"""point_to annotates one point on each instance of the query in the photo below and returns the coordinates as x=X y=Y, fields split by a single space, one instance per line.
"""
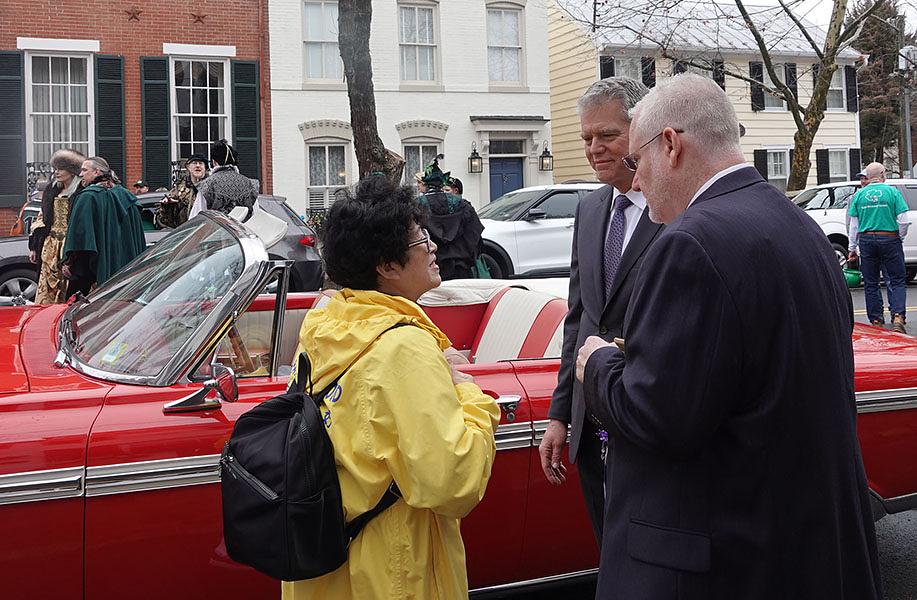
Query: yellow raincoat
x=397 y=415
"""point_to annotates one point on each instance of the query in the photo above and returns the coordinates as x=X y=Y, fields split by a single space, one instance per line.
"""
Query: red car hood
x=884 y=360
x=13 y=377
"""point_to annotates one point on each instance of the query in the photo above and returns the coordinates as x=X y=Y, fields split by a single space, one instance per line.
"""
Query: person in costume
x=49 y=230
x=400 y=413
x=226 y=188
x=176 y=206
x=454 y=226
x=105 y=232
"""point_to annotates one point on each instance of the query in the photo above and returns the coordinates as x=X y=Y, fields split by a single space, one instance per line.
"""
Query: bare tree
x=354 y=21
x=659 y=24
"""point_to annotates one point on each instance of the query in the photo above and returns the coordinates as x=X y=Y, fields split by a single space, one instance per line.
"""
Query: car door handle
x=508 y=404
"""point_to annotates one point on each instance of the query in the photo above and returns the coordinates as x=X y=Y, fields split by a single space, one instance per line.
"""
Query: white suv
x=530 y=231
x=827 y=205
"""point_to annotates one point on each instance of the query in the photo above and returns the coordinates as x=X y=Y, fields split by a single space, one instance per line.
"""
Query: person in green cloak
x=105 y=231
x=453 y=224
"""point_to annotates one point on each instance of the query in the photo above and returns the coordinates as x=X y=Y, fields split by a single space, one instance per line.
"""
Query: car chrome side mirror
x=534 y=213
x=223 y=382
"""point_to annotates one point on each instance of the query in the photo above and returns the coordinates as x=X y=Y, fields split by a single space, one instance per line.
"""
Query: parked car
x=117 y=406
x=529 y=232
x=827 y=204
x=19 y=277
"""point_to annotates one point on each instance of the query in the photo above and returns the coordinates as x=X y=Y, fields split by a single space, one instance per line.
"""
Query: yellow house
x=578 y=56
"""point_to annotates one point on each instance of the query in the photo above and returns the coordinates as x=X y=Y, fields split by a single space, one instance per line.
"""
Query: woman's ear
x=389 y=271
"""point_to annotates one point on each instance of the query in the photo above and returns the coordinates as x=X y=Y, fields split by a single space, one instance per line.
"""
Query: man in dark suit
x=736 y=472
x=610 y=238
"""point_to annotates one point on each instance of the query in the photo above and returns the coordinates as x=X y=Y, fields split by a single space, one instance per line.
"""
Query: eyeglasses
x=424 y=240
x=630 y=160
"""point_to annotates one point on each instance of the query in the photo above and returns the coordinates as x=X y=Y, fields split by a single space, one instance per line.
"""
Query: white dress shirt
x=716 y=178
x=632 y=214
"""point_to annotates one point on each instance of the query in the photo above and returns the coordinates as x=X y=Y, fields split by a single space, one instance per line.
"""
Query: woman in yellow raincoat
x=400 y=412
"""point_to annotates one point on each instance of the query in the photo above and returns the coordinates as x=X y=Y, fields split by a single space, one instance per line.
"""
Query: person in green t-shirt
x=878 y=224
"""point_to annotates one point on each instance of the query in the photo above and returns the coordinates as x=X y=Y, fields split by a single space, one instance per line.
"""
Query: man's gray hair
x=624 y=89
x=694 y=104
x=102 y=165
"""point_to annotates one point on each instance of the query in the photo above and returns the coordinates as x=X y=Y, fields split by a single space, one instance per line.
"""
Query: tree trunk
x=354 y=22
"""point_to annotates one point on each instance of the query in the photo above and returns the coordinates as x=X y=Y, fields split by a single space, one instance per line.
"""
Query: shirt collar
x=716 y=178
x=636 y=198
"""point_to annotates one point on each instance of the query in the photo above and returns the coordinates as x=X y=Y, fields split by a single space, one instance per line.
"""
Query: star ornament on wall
x=133 y=14
x=198 y=18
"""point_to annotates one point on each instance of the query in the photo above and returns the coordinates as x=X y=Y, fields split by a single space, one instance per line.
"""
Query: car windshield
x=507 y=205
x=137 y=321
x=813 y=199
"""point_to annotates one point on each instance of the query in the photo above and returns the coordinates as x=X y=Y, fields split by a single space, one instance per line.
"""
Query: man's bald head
x=875 y=170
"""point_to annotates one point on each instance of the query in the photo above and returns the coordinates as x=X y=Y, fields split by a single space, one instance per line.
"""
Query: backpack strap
x=391 y=495
x=303 y=375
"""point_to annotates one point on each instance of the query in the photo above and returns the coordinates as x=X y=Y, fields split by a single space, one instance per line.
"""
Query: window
x=629 y=67
x=60 y=107
x=327 y=174
x=560 y=206
x=418 y=45
x=777 y=170
x=321 y=55
x=416 y=157
x=507 y=147
x=837 y=165
x=843 y=194
x=200 y=96
x=813 y=199
x=771 y=101
x=836 y=90
x=504 y=45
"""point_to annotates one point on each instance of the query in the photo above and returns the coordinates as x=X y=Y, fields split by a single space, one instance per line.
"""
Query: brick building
x=141 y=84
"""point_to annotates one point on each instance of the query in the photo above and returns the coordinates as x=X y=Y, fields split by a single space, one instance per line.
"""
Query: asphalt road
x=896 y=534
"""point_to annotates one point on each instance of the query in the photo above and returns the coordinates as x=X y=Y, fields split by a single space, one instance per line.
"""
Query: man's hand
x=454 y=357
x=66 y=271
x=852 y=256
x=555 y=436
x=591 y=344
x=33 y=257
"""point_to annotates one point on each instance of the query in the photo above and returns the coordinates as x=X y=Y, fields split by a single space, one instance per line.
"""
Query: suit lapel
x=644 y=233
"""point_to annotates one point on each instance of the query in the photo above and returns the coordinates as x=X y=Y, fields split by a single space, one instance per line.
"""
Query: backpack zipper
x=237 y=470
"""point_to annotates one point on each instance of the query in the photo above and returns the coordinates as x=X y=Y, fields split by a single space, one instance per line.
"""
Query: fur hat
x=67 y=160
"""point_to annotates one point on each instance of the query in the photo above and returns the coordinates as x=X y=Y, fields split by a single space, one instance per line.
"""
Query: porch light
x=547 y=160
x=475 y=162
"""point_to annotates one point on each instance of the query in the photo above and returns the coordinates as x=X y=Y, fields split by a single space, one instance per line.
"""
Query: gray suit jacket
x=589 y=313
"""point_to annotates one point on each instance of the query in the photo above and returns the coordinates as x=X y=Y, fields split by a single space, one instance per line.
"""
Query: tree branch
x=802 y=29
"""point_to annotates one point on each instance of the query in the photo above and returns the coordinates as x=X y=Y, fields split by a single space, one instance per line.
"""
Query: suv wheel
x=19 y=283
x=841 y=252
x=497 y=271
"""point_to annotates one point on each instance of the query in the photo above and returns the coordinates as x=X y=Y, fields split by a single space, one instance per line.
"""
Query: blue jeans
x=886 y=254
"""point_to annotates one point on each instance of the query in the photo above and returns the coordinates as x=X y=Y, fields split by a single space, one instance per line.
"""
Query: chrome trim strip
x=152 y=475
x=36 y=486
x=885 y=400
x=514 y=435
x=535 y=582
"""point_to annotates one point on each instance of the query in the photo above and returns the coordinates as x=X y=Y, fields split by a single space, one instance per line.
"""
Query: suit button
x=603 y=330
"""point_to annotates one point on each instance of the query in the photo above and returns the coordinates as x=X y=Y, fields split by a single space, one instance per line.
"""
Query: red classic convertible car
x=114 y=410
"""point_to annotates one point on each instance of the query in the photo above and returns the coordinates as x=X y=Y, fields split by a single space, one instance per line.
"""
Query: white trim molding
x=199 y=50
x=57 y=45
x=422 y=128
x=326 y=129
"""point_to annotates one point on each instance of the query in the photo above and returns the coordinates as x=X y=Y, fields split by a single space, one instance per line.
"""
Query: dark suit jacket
x=736 y=470
x=589 y=313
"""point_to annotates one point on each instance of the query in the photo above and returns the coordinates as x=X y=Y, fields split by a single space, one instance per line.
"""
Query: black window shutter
x=756 y=72
x=719 y=73
x=12 y=130
x=761 y=162
x=856 y=162
x=606 y=67
x=109 y=111
x=246 y=116
x=790 y=78
x=648 y=68
x=679 y=67
x=850 y=82
x=822 y=168
x=156 y=130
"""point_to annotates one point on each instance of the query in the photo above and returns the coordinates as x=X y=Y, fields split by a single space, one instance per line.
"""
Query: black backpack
x=282 y=509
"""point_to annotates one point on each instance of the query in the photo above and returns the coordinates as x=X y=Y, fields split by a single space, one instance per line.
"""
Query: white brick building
x=446 y=75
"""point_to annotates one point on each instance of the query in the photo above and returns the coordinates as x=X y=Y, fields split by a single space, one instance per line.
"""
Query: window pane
x=199 y=74
x=215 y=71
x=313 y=22
x=317 y=167
x=184 y=150
x=337 y=174
x=314 y=60
x=216 y=129
x=425 y=25
x=184 y=129
x=41 y=98
x=182 y=71
x=59 y=98
x=199 y=101
x=334 y=67
x=494 y=27
x=408 y=25
x=199 y=129
x=78 y=99
x=59 y=68
x=41 y=128
x=201 y=149
x=495 y=64
x=629 y=67
x=77 y=70
x=836 y=79
x=428 y=154
x=837 y=163
x=835 y=99
x=41 y=71
x=80 y=126
x=411 y=162
x=408 y=63
x=183 y=100
x=560 y=206
x=511 y=27
x=425 y=64
x=59 y=130
x=511 y=61
x=331 y=22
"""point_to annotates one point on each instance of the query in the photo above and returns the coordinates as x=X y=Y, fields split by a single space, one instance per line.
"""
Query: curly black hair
x=367 y=227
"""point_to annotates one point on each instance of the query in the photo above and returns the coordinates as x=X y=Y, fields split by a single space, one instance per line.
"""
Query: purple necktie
x=614 y=243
